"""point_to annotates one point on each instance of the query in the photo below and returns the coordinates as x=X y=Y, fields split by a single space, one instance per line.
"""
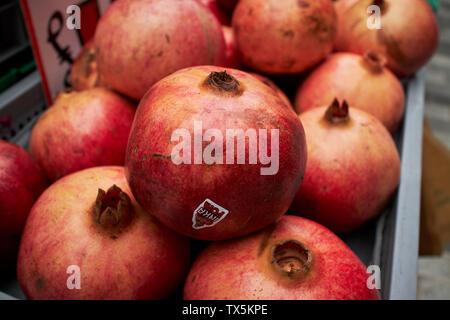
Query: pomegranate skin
x=84 y=74
x=82 y=130
x=217 y=10
x=284 y=37
x=231 y=53
x=144 y=261
x=252 y=199
x=21 y=183
x=341 y=6
x=362 y=81
x=247 y=269
x=408 y=37
x=352 y=171
x=140 y=42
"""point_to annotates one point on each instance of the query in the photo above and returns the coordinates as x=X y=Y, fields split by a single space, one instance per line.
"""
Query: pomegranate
x=352 y=171
x=295 y=259
x=362 y=81
x=21 y=183
x=407 y=35
x=271 y=84
x=193 y=160
x=140 y=42
x=217 y=10
x=82 y=130
x=279 y=37
x=231 y=54
x=84 y=73
x=89 y=220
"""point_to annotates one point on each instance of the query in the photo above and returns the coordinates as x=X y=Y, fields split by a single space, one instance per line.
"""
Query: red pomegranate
x=217 y=10
x=21 y=183
x=407 y=35
x=140 y=42
x=83 y=74
x=90 y=220
x=231 y=54
x=271 y=84
x=288 y=36
x=198 y=153
x=295 y=259
x=352 y=171
x=363 y=82
x=82 y=130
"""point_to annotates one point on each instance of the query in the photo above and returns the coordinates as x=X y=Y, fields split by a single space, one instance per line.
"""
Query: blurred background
x=434 y=263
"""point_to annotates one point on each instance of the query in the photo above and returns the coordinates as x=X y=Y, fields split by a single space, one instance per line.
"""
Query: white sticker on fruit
x=208 y=214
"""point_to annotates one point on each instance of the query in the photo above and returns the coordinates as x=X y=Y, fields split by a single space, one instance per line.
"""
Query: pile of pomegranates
x=215 y=151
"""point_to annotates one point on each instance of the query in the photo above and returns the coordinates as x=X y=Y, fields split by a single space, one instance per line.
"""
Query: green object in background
x=434 y=4
x=15 y=74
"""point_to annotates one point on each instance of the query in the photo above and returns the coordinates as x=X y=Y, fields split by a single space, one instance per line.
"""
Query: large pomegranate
x=216 y=9
x=21 y=182
x=363 y=82
x=295 y=259
x=90 y=220
x=196 y=156
x=84 y=74
x=140 y=42
x=352 y=171
x=231 y=53
x=82 y=130
x=286 y=36
x=407 y=37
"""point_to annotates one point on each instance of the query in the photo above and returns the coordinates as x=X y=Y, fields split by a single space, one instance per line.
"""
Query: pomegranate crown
x=336 y=112
x=113 y=210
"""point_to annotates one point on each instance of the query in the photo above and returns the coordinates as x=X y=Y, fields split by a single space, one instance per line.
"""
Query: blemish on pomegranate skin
x=40 y=283
x=250 y=11
x=193 y=278
x=167 y=38
x=158 y=155
x=303 y=4
x=288 y=33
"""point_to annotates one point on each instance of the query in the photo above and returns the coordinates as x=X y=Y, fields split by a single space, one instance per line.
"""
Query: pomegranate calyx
x=374 y=61
x=337 y=113
x=223 y=82
x=381 y=4
x=291 y=258
x=113 y=210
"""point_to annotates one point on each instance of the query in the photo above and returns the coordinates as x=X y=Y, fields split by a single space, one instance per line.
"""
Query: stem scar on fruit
x=291 y=258
x=223 y=83
x=113 y=210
